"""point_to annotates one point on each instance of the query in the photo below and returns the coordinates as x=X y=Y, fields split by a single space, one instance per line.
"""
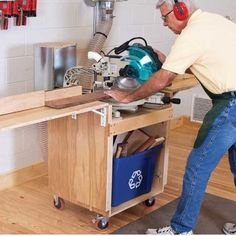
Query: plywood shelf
x=156 y=189
x=141 y=118
x=37 y=115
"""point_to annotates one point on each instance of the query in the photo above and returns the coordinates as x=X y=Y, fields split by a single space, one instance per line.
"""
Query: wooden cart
x=80 y=141
x=81 y=152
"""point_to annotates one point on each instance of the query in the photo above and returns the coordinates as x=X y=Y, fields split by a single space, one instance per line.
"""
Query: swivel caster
x=101 y=222
x=59 y=203
x=150 y=202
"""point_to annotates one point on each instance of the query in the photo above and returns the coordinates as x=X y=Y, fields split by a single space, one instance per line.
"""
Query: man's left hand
x=119 y=95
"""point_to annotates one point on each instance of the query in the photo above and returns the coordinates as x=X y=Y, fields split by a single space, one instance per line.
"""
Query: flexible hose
x=104 y=20
x=97 y=42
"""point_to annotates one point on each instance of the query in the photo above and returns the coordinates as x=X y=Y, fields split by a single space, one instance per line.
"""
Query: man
x=206 y=44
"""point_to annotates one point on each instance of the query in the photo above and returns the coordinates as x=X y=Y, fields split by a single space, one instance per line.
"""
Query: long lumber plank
x=76 y=100
x=35 y=99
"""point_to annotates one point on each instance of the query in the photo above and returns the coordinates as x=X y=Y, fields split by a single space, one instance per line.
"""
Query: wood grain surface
x=77 y=100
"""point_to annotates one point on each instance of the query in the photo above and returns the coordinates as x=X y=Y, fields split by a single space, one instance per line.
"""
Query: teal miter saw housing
x=142 y=62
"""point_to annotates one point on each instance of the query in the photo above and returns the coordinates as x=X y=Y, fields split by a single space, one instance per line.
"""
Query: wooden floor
x=29 y=209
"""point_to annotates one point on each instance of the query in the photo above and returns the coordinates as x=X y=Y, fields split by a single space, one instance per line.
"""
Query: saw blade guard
x=142 y=63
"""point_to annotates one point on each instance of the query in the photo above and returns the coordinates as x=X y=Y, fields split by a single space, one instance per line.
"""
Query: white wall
x=71 y=20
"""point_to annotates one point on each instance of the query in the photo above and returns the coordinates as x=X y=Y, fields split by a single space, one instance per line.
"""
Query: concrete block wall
x=71 y=20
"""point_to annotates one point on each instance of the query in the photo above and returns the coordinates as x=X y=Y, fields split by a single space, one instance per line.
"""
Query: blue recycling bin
x=133 y=175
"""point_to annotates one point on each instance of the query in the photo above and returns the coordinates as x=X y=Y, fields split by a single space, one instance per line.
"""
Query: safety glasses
x=165 y=16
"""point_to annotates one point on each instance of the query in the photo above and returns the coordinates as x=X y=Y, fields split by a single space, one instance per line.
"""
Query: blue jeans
x=201 y=162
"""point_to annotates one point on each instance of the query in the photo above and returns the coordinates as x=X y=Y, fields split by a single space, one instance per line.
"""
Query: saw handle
x=122 y=48
x=125 y=45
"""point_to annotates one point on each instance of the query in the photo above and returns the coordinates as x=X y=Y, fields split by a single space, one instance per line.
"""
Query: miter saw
x=127 y=68
x=136 y=63
x=136 y=66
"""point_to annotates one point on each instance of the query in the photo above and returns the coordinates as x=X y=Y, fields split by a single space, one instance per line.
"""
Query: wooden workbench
x=80 y=143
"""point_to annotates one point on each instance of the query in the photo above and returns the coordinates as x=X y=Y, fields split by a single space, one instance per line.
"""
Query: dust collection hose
x=103 y=15
x=97 y=42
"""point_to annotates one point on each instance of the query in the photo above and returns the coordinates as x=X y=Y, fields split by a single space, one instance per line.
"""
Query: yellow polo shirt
x=207 y=45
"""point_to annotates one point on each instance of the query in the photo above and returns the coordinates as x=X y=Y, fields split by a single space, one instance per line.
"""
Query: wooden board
x=181 y=82
x=37 y=115
x=141 y=118
x=63 y=93
x=76 y=100
x=21 y=102
x=36 y=99
x=77 y=160
x=56 y=44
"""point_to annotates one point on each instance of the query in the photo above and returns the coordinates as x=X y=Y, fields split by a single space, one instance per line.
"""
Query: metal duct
x=51 y=62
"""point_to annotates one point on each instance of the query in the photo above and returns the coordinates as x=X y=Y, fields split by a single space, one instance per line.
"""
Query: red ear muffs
x=180 y=11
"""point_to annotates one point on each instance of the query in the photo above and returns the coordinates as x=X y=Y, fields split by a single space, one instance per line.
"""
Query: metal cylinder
x=104 y=10
x=51 y=62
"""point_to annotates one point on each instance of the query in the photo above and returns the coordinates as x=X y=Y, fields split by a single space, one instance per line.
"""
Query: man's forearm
x=156 y=83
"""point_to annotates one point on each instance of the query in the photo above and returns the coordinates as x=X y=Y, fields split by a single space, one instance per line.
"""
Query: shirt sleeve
x=184 y=53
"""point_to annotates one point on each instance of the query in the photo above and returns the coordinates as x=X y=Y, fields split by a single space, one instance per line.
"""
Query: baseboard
x=23 y=175
x=177 y=122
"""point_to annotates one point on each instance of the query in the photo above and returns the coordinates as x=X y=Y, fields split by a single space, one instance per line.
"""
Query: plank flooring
x=28 y=208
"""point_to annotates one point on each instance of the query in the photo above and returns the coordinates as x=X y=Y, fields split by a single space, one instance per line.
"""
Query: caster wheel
x=59 y=204
x=149 y=202
x=102 y=224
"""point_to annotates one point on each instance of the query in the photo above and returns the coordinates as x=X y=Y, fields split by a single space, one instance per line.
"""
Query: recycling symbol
x=136 y=179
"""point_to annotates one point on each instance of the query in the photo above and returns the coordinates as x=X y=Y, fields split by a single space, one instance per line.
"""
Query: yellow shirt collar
x=195 y=15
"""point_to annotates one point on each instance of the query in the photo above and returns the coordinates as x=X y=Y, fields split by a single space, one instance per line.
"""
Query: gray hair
x=170 y=3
